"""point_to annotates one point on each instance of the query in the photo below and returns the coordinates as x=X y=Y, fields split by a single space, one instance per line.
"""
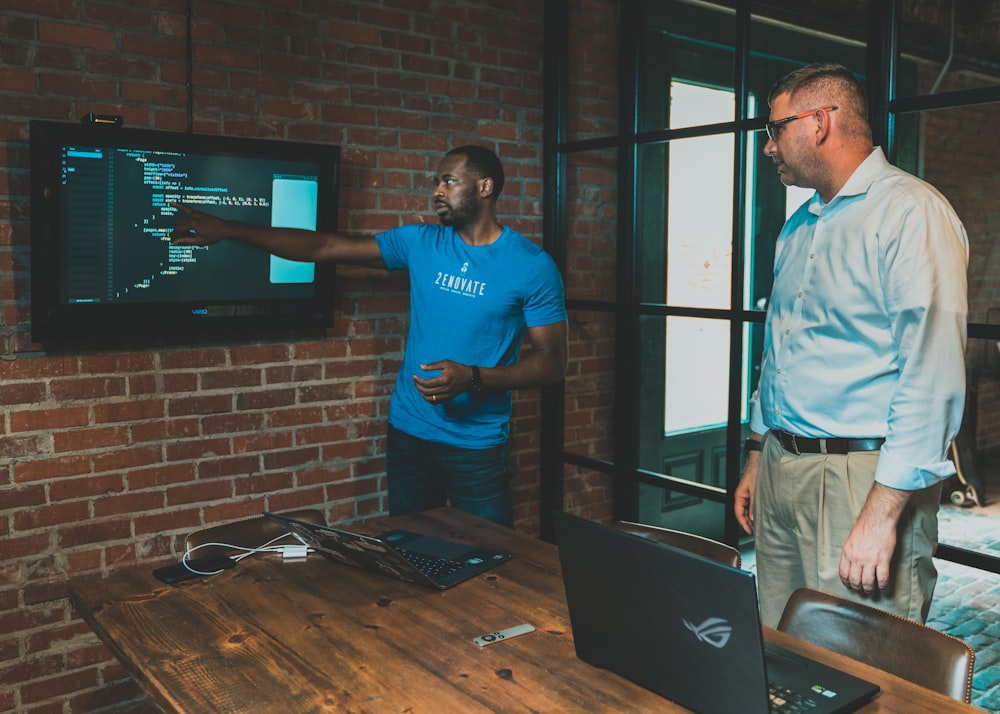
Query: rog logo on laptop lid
x=715 y=631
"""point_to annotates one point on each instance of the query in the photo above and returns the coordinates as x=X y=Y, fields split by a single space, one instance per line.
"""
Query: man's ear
x=822 y=127
x=486 y=187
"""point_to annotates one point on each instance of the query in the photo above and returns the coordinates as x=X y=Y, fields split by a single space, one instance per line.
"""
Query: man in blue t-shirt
x=477 y=288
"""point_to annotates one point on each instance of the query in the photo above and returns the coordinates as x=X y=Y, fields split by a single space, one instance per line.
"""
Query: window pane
x=685 y=218
x=800 y=33
x=685 y=393
x=950 y=45
x=970 y=179
x=589 y=393
x=592 y=225
x=685 y=40
x=975 y=451
x=593 y=69
x=753 y=353
x=699 y=222
x=669 y=508
x=697 y=356
x=981 y=426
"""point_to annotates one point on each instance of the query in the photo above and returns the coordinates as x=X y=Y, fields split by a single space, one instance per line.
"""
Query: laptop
x=412 y=557
x=685 y=627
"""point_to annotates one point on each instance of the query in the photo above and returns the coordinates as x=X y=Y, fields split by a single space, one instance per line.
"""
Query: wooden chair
x=881 y=639
x=699 y=545
x=247 y=533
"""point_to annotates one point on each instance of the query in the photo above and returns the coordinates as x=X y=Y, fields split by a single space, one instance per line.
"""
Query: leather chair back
x=903 y=647
x=699 y=545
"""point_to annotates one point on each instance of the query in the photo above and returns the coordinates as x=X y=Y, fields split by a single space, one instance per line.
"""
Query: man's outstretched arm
x=197 y=228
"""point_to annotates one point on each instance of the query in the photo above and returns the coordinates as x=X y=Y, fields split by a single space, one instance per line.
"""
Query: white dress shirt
x=866 y=326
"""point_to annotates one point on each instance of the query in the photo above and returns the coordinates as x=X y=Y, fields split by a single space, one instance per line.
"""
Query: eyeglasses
x=772 y=126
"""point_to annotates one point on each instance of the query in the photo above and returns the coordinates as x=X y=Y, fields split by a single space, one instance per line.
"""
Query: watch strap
x=751 y=444
x=476 y=383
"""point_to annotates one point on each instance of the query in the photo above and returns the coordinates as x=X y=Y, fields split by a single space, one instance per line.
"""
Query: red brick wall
x=108 y=457
x=591 y=261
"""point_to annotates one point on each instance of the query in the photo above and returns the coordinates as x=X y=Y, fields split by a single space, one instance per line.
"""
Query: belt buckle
x=795 y=445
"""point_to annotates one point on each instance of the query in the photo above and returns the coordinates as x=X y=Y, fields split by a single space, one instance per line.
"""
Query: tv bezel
x=56 y=321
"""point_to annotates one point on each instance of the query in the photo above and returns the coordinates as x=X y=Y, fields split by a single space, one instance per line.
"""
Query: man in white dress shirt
x=862 y=384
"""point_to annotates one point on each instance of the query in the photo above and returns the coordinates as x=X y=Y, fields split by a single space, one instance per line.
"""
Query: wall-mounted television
x=103 y=269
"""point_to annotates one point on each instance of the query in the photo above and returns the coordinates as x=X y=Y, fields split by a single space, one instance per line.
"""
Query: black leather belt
x=802 y=445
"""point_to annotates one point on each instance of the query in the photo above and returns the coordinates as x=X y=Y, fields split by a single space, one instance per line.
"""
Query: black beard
x=457 y=219
x=449 y=220
x=462 y=214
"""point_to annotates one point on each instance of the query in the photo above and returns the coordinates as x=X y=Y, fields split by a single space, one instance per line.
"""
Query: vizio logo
x=714 y=631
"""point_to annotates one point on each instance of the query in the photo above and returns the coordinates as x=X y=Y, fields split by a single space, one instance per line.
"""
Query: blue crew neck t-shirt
x=469 y=304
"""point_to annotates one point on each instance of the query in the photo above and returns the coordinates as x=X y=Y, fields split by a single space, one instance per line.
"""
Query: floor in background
x=966 y=601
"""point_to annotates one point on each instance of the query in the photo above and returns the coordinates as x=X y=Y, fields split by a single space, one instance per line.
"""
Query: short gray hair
x=828 y=83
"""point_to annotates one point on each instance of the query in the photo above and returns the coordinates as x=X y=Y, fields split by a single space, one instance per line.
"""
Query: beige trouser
x=804 y=508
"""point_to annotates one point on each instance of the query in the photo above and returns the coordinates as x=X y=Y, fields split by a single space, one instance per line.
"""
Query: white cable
x=268 y=547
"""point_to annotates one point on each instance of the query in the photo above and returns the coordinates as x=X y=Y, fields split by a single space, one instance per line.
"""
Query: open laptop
x=685 y=627
x=425 y=560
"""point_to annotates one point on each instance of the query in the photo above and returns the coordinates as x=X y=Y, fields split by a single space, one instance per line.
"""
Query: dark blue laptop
x=412 y=557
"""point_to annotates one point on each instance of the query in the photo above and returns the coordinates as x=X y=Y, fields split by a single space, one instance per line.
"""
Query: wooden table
x=314 y=636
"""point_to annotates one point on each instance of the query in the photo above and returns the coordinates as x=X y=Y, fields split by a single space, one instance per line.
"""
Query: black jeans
x=424 y=474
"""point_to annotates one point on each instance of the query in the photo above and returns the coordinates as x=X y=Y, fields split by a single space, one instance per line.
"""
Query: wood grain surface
x=314 y=636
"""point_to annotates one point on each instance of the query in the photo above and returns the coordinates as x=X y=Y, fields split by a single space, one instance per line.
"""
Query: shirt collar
x=858 y=183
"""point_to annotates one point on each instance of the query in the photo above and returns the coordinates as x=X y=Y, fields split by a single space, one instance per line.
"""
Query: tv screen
x=102 y=210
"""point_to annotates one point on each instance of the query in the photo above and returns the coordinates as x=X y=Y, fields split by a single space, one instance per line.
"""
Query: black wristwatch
x=476 y=383
x=751 y=444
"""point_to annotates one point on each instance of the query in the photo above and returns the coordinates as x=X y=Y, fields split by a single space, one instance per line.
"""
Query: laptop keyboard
x=785 y=701
x=431 y=565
